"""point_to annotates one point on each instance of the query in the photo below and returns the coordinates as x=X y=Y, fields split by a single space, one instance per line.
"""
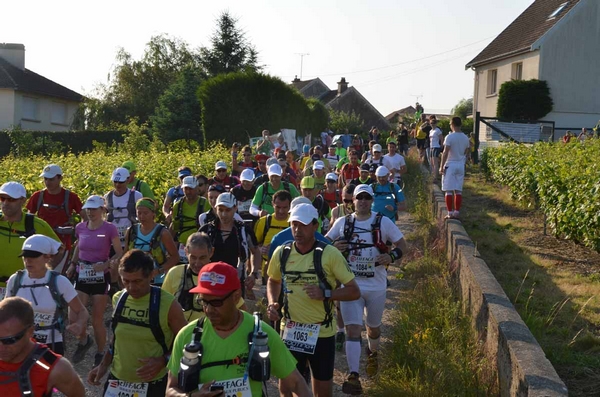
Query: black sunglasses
x=213 y=302
x=11 y=340
x=364 y=196
x=218 y=188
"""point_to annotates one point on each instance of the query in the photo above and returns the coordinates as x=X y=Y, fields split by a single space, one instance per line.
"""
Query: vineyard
x=90 y=173
x=563 y=181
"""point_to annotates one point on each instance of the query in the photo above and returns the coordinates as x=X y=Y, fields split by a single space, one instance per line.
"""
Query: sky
x=394 y=52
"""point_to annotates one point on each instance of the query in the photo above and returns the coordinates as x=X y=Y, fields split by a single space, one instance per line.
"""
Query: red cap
x=217 y=278
x=261 y=157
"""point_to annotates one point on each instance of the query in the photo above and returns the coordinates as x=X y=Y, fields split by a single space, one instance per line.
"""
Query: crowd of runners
x=316 y=233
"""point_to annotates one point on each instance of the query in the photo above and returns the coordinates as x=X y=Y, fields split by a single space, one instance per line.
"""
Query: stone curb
x=522 y=366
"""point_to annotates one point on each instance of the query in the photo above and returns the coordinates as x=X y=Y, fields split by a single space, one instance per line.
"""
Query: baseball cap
x=373 y=167
x=247 y=175
x=305 y=149
x=184 y=173
x=318 y=165
x=377 y=147
x=38 y=244
x=50 y=171
x=382 y=170
x=333 y=146
x=303 y=213
x=362 y=188
x=275 y=169
x=261 y=157
x=129 y=166
x=94 y=201
x=331 y=177
x=226 y=199
x=308 y=182
x=189 y=181
x=217 y=278
x=365 y=167
x=299 y=200
x=14 y=190
x=220 y=165
x=120 y=175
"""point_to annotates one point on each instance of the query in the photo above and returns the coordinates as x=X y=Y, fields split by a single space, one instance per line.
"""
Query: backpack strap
x=183 y=295
x=66 y=203
x=138 y=185
x=40 y=201
x=131 y=215
x=23 y=374
x=267 y=226
x=110 y=206
x=29 y=225
x=348 y=227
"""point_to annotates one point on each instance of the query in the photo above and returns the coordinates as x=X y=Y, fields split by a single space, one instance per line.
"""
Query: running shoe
x=352 y=385
x=79 y=354
x=372 y=364
x=340 y=338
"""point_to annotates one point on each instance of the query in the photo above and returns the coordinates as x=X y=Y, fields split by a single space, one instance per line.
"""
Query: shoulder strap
x=138 y=185
x=286 y=185
x=40 y=201
x=267 y=226
x=29 y=225
x=265 y=187
x=66 y=203
x=24 y=379
x=131 y=235
x=110 y=204
x=17 y=285
x=131 y=207
x=61 y=304
x=348 y=227
x=199 y=209
x=155 y=293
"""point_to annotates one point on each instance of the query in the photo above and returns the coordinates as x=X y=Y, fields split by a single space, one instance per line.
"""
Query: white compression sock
x=373 y=344
x=353 y=355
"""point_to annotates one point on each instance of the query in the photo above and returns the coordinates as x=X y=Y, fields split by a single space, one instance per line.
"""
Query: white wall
x=43 y=120
x=7 y=108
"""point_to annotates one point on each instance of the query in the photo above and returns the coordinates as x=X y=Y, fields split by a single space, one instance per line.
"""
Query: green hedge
x=524 y=100
x=563 y=181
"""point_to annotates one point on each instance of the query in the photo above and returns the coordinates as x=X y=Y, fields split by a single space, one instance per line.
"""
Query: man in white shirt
x=435 y=146
x=456 y=148
x=395 y=163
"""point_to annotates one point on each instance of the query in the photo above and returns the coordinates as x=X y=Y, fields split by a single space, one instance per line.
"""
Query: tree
x=341 y=121
x=230 y=50
x=463 y=108
x=524 y=100
x=178 y=113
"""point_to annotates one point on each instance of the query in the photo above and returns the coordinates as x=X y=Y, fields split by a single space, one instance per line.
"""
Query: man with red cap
x=224 y=337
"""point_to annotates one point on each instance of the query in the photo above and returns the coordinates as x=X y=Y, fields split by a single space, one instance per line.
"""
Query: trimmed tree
x=524 y=100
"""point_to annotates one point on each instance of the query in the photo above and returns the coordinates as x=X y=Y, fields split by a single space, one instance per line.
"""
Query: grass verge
x=433 y=350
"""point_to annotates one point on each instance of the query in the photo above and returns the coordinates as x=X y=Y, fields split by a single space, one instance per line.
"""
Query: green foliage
x=341 y=121
x=561 y=180
x=463 y=108
x=25 y=143
x=231 y=51
x=178 y=113
x=524 y=100
x=238 y=105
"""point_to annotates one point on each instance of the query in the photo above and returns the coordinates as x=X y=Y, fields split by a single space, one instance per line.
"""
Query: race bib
x=2 y=292
x=121 y=388
x=182 y=256
x=43 y=320
x=244 y=206
x=122 y=229
x=362 y=266
x=88 y=275
x=301 y=337
x=239 y=387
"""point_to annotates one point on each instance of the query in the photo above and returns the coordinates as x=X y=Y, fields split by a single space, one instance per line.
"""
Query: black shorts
x=421 y=143
x=94 y=288
x=156 y=388
x=436 y=151
x=322 y=362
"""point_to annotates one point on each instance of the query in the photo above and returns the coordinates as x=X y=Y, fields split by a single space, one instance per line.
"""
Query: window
x=558 y=10
x=492 y=81
x=517 y=71
x=30 y=108
x=59 y=113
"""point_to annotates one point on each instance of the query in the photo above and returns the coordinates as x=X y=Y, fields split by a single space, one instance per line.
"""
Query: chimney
x=296 y=79
x=342 y=86
x=13 y=54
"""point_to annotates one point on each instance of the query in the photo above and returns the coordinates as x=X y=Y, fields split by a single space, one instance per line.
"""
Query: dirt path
x=397 y=285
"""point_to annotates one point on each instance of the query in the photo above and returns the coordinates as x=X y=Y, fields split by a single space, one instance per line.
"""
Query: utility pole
x=417 y=96
x=302 y=55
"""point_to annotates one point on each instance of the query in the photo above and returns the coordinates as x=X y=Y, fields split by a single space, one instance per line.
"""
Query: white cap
x=247 y=175
x=331 y=177
x=120 y=175
x=220 y=165
x=377 y=147
x=40 y=243
x=275 y=169
x=382 y=170
x=299 y=200
x=318 y=165
x=226 y=199
x=50 y=171
x=93 y=201
x=14 y=190
x=303 y=213
x=189 y=181
x=362 y=188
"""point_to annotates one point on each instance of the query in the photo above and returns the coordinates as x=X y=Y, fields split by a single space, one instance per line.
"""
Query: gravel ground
x=341 y=368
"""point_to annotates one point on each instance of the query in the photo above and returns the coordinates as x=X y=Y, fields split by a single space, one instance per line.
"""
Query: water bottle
x=260 y=363
x=189 y=367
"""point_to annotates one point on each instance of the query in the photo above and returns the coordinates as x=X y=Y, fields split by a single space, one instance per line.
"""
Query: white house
x=29 y=100
x=553 y=40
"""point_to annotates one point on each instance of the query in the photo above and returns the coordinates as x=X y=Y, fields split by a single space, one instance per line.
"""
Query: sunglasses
x=213 y=302
x=8 y=199
x=364 y=196
x=118 y=183
x=347 y=201
x=11 y=340
x=330 y=181
x=221 y=170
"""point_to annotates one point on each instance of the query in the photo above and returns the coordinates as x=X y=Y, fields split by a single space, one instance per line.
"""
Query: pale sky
x=390 y=50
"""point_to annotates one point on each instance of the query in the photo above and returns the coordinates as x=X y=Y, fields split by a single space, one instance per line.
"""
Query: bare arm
x=78 y=316
x=174 y=391
x=166 y=209
x=296 y=384
x=64 y=378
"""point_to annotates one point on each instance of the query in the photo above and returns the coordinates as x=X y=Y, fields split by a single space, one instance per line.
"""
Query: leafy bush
x=524 y=100
x=562 y=180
